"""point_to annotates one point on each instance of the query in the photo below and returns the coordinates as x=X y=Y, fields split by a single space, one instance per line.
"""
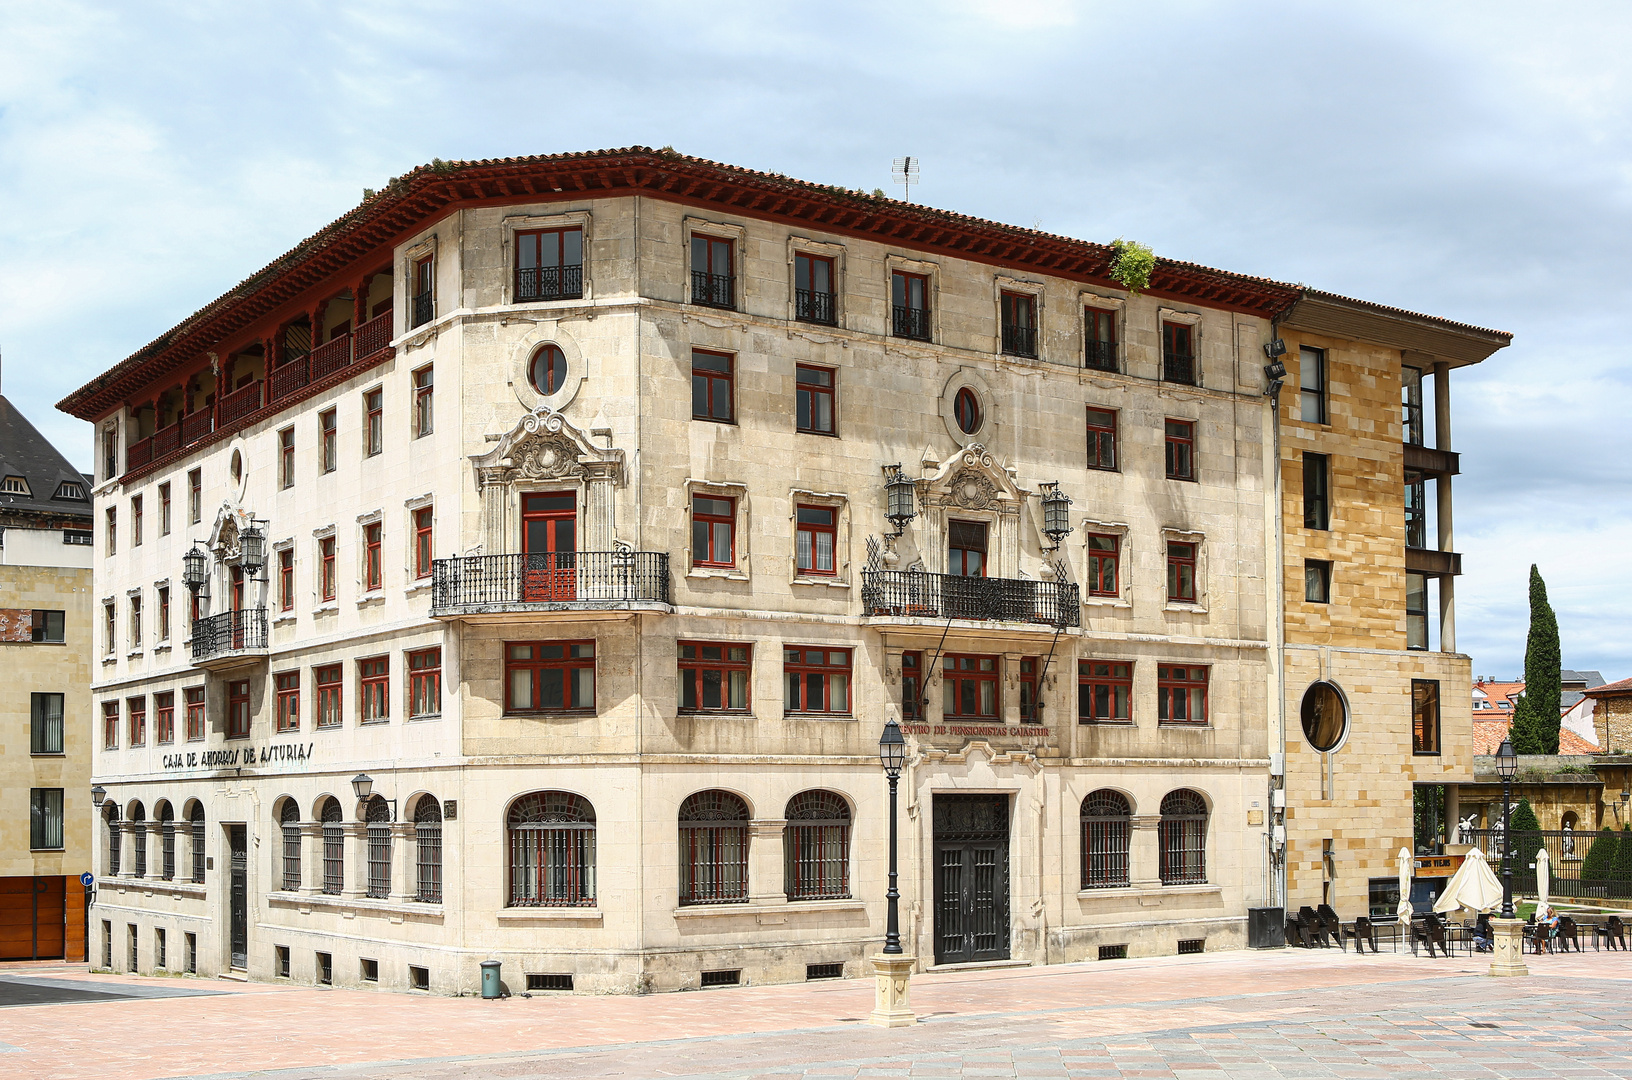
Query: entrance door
x=239 y=893
x=549 y=544
x=971 y=878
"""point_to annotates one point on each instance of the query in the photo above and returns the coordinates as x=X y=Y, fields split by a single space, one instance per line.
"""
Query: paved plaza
x=1313 y=1014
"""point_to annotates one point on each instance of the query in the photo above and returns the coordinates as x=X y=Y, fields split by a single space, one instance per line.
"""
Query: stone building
x=562 y=532
x=1376 y=701
x=45 y=701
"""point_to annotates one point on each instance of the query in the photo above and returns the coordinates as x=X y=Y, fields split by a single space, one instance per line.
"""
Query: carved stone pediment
x=544 y=445
x=972 y=479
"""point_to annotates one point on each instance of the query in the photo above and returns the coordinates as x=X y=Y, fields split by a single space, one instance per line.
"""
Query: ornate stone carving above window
x=544 y=447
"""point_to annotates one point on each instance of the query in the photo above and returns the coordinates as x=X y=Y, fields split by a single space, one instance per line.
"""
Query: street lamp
x=1507 y=764
x=892 y=968
x=892 y=752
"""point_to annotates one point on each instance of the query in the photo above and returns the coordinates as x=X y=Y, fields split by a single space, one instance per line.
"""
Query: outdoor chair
x=1430 y=931
x=1294 y=934
x=1362 y=932
x=1567 y=934
x=1330 y=923
x=1614 y=931
x=1312 y=927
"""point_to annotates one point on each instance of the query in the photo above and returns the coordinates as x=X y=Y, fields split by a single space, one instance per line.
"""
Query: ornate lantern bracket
x=901 y=496
x=1056 y=512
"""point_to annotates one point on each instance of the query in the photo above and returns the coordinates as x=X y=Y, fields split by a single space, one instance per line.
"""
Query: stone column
x=311 y=858
x=1010 y=682
x=765 y=864
x=892 y=998
x=1144 y=855
x=404 y=862
x=600 y=487
x=1008 y=542
x=1442 y=492
x=155 y=851
x=356 y=877
x=496 y=538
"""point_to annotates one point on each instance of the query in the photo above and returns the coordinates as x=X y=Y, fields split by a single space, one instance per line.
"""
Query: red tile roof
x=1489 y=733
x=1622 y=687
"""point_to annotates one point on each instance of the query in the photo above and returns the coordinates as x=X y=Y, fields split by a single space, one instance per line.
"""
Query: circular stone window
x=547 y=370
x=1325 y=716
x=966 y=410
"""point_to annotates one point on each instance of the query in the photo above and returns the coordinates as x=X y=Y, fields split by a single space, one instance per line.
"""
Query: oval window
x=548 y=372
x=966 y=410
x=1325 y=717
x=237 y=466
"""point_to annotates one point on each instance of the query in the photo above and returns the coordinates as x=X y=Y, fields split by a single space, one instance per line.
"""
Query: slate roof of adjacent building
x=25 y=453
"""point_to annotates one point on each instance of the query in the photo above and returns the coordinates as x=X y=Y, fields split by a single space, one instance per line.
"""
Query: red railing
x=196 y=425
x=167 y=440
x=291 y=377
x=240 y=403
x=138 y=453
x=373 y=335
x=331 y=356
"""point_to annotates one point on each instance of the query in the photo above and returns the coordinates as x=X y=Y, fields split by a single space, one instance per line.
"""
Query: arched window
x=713 y=849
x=1183 y=838
x=110 y=818
x=167 y=840
x=552 y=850
x=816 y=847
x=1106 y=821
x=378 y=816
x=334 y=847
x=138 y=840
x=428 y=850
x=196 y=828
x=289 y=820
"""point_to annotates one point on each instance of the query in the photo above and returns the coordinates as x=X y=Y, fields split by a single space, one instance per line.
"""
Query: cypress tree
x=1536 y=720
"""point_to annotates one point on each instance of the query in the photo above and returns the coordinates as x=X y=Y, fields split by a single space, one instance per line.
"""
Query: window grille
x=722 y=978
x=419 y=978
x=115 y=840
x=1191 y=945
x=713 y=849
x=1183 y=838
x=334 y=848
x=167 y=843
x=1106 y=823
x=824 y=971
x=197 y=828
x=290 y=820
x=138 y=838
x=549 y=982
x=428 y=850
x=552 y=851
x=378 y=818
x=816 y=846
x=1113 y=952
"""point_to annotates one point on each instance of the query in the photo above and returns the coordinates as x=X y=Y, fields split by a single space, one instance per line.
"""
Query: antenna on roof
x=906 y=174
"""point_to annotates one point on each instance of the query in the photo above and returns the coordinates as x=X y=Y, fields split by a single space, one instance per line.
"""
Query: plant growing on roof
x=1132 y=264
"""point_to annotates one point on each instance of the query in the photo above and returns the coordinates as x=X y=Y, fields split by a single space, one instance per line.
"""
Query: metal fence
x=910 y=594
x=1567 y=852
x=550 y=577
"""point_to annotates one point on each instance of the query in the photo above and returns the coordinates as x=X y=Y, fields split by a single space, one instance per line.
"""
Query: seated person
x=1546 y=927
x=1484 y=939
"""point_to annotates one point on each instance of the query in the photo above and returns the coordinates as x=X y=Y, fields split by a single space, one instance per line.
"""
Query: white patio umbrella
x=1404 y=862
x=1474 y=885
x=1543 y=875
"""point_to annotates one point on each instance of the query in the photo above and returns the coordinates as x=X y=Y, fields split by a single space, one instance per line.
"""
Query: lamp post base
x=892 y=1007
x=1509 y=955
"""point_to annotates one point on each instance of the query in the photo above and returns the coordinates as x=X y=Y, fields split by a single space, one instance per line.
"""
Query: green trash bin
x=492 y=988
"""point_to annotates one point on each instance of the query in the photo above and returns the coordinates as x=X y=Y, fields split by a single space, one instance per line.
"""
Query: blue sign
x=86 y=878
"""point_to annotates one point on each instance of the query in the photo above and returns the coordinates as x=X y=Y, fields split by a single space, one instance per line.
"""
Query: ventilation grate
x=722 y=978
x=1191 y=945
x=549 y=982
x=824 y=971
x=1113 y=952
x=419 y=978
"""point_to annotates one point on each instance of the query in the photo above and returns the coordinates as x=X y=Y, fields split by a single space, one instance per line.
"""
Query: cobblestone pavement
x=1275 y=1015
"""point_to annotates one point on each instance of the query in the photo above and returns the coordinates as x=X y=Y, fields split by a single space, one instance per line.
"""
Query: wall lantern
x=193 y=568
x=99 y=794
x=362 y=784
x=252 y=551
x=901 y=494
x=1056 y=512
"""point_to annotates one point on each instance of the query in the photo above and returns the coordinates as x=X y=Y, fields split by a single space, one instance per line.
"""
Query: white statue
x=1465 y=827
x=1569 y=840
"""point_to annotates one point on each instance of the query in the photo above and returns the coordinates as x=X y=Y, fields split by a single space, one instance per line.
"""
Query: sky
x=1468 y=160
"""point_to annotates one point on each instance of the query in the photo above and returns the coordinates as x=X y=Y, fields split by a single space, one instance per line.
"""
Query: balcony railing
x=1101 y=356
x=240 y=403
x=420 y=312
x=1178 y=368
x=373 y=336
x=1020 y=340
x=229 y=633
x=817 y=307
x=912 y=322
x=195 y=426
x=138 y=453
x=913 y=595
x=291 y=378
x=549 y=580
x=713 y=290
x=549 y=283
x=167 y=440
x=330 y=357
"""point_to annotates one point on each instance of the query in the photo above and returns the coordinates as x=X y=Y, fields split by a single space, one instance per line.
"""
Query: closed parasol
x=1404 y=860
x=1474 y=885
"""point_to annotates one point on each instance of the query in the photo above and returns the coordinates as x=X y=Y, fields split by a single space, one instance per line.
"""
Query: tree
x=1599 y=864
x=1621 y=867
x=1526 y=837
x=1536 y=720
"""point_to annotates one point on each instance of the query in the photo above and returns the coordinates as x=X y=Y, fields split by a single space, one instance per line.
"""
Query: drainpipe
x=1276 y=816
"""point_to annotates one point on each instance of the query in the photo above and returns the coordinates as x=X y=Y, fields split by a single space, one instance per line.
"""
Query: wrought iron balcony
x=713 y=290
x=421 y=310
x=909 y=594
x=912 y=322
x=1101 y=356
x=817 y=307
x=229 y=638
x=1019 y=340
x=549 y=283
x=549 y=581
x=1178 y=368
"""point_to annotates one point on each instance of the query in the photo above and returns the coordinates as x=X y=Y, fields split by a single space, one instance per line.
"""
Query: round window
x=548 y=371
x=966 y=410
x=1325 y=717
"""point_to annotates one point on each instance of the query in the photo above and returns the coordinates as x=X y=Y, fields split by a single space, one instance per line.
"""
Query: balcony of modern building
x=569 y=585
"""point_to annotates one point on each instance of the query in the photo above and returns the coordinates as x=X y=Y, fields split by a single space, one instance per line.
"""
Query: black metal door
x=239 y=893
x=971 y=878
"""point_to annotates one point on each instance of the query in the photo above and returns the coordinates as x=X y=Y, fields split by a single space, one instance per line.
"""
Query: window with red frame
x=329 y=679
x=966 y=411
x=1100 y=328
x=813 y=294
x=195 y=713
x=136 y=713
x=1178 y=353
x=110 y=725
x=422 y=543
x=374 y=689
x=549 y=264
x=371 y=557
x=325 y=558
x=238 y=709
x=286 y=458
x=1102 y=439
x=328 y=424
x=912 y=685
x=164 y=717
x=288 y=684
x=1181 y=694
x=1181 y=449
x=163 y=629
x=1028 y=690
x=713 y=279
x=969 y=686
x=1019 y=324
x=135 y=521
x=1181 y=572
x=815 y=540
x=813 y=399
x=164 y=509
x=195 y=495
x=713 y=530
x=712 y=379
x=1104 y=556
x=424 y=400
x=817 y=680
x=1104 y=692
x=286 y=580
x=966 y=548
x=113 y=530
x=549 y=676
x=714 y=677
x=374 y=422
x=424 y=683
x=909 y=301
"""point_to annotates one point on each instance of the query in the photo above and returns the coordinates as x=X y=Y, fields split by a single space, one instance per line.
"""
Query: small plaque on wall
x=450 y=810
